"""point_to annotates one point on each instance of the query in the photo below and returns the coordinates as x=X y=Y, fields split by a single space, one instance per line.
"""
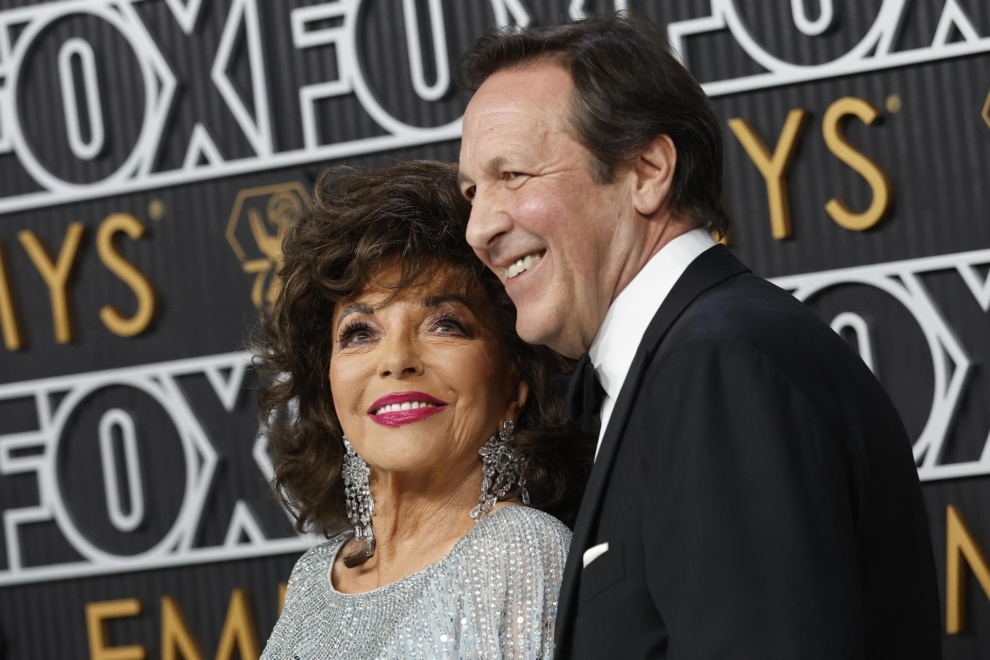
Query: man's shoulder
x=749 y=324
x=747 y=297
x=752 y=314
x=757 y=333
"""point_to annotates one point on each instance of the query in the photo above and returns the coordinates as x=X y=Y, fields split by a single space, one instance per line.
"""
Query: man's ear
x=654 y=171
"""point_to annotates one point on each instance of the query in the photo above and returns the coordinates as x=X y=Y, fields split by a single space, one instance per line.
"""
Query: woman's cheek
x=345 y=387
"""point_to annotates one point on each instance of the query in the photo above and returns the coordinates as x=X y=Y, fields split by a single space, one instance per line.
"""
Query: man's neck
x=659 y=234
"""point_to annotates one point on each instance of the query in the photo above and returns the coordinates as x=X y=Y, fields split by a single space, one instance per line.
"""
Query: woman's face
x=420 y=381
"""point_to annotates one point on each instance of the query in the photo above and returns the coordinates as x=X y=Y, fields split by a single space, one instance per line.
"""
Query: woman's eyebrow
x=436 y=301
x=355 y=309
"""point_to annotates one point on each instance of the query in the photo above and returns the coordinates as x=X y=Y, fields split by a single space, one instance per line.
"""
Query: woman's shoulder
x=313 y=565
x=522 y=529
x=518 y=516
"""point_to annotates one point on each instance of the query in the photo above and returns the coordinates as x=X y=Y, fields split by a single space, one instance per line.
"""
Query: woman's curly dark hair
x=411 y=215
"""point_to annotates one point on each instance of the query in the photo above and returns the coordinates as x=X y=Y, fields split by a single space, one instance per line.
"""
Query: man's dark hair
x=629 y=89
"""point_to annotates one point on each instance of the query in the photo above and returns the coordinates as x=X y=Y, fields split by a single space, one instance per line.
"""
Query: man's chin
x=540 y=330
x=533 y=328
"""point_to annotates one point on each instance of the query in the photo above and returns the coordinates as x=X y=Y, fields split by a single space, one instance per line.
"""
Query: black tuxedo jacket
x=757 y=492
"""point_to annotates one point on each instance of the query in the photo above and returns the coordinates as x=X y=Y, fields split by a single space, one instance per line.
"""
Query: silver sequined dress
x=493 y=596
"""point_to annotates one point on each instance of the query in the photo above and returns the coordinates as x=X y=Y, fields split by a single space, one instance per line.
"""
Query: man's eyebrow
x=494 y=165
x=355 y=309
x=436 y=301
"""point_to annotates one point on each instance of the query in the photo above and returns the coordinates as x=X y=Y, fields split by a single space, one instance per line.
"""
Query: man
x=754 y=493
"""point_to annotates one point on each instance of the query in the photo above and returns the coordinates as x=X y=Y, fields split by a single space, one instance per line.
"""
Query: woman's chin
x=409 y=455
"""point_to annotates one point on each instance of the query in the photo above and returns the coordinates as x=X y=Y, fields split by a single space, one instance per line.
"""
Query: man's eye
x=469 y=192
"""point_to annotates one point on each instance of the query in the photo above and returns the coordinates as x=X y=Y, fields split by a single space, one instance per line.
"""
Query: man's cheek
x=538 y=214
x=486 y=258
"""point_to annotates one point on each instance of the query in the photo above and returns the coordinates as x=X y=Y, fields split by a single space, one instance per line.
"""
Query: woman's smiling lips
x=401 y=408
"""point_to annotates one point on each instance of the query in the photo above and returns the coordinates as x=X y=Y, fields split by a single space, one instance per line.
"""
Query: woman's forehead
x=432 y=288
x=387 y=284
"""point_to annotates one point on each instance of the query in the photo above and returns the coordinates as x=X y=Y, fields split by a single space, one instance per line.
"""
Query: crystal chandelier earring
x=357 y=496
x=501 y=471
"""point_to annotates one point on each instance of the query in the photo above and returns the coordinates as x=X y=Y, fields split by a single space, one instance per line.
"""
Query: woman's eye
x=356 y=334
x=448 y=327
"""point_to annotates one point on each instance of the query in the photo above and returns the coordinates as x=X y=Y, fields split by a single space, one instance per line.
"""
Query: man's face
x=555 y=237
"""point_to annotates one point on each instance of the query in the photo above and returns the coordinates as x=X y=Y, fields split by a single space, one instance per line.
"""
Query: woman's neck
x=417 y=521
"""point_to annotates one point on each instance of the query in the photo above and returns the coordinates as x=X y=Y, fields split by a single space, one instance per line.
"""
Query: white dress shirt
x=625 y=323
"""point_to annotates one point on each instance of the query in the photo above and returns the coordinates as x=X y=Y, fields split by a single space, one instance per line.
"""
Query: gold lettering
x=96 y=619
x=836 y=142
x=774 y=168
x=9 y=325
x=261 y=267
x=176 y=638
x=117 y=324
x=56 y=275
x=959 y=545
x=238 y=630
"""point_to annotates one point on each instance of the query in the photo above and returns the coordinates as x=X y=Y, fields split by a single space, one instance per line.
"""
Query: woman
x=419 y=416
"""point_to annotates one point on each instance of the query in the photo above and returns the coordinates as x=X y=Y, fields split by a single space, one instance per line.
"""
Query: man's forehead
x=551 y=76
x=537 y=92
x=500 y=140
x=515 y=109
x=540 y=89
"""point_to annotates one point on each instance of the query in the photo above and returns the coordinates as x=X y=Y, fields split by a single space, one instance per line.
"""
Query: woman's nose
x=400 y=358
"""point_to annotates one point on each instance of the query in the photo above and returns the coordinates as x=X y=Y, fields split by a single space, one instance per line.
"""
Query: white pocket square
x=593 y=553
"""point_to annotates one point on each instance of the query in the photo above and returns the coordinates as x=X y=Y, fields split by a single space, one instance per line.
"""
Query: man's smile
x=523 y=264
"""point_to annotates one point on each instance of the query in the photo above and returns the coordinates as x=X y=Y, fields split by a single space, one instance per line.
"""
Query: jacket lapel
x=711 y=268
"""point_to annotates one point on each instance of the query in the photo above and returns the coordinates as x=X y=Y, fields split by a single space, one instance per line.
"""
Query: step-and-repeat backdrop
x=153 y=153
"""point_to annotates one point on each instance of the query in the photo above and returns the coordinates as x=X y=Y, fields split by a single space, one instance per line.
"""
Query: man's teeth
x=522 y=265
x=408 y=405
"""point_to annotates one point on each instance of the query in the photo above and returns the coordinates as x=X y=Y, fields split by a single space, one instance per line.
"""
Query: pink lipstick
x=400 y=408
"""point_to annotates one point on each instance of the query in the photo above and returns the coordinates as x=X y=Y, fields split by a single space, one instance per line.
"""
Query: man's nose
x=400 y=357
x=489 y=220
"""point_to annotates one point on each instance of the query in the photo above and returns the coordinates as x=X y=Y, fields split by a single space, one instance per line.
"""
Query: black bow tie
x=582 y=393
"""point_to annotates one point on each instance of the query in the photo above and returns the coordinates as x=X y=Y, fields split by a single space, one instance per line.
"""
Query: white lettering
x=817 y=26
x=333 y=23
x=120 y=420
x=80 y=48
x=856 y=323
x=440 y=87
